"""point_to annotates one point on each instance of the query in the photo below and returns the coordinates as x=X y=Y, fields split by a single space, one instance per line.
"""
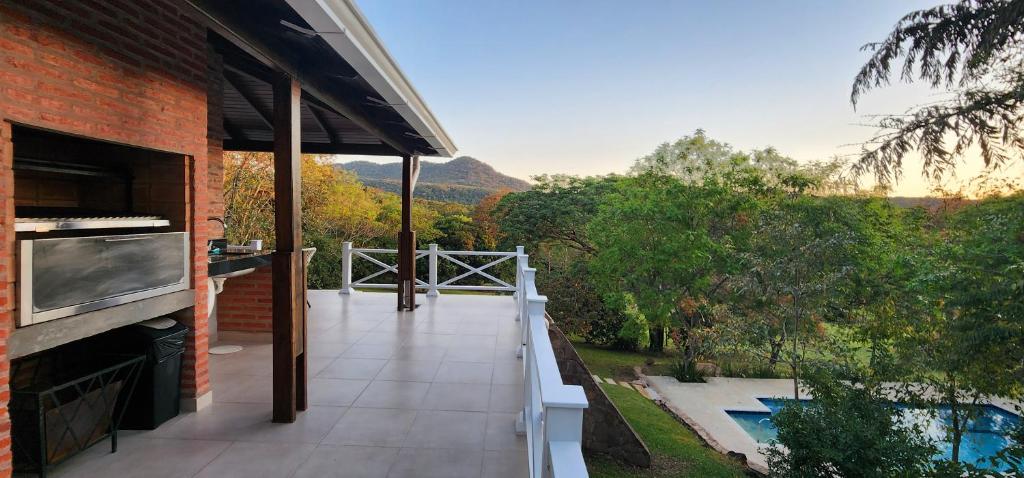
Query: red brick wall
x=132 y=72
x=246 y=304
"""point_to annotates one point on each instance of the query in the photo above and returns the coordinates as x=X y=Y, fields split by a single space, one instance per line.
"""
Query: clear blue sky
x=586 y=87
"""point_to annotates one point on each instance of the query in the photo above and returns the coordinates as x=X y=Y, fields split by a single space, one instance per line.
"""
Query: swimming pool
x=986 y=435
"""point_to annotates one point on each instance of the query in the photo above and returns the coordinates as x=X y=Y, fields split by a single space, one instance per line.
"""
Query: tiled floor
x=433 y=393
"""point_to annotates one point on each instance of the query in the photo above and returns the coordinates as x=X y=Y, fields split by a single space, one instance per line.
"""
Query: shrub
x=686 y=372
x=848 y=431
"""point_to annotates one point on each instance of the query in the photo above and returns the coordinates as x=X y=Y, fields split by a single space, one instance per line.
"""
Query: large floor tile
x=507 y=372
x=501 y=433
x=353 y=368
x=387 y=394
x=335 y=392
x=444 y=429
x=409 y=370
x=466 y=397
x=506 y=398
x=464 y=372
x=310 y=426
x=371 y=427
x=427 y=463
x=330 y=461
x=248 y=460
x=506 y=464
x=139 y=457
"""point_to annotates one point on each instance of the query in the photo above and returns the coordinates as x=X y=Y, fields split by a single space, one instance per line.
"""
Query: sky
x=586 y=87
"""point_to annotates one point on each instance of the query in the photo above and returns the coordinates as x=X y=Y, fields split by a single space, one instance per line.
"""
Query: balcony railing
x=382 y=259
x=552 y=416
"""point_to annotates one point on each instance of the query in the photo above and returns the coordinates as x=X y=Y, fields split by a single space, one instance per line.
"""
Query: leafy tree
x=975 y=50
x=800 y=252
x=555 y=212
x=668 y=245
x=695 y=157
x=849 y=430
x=965 y=344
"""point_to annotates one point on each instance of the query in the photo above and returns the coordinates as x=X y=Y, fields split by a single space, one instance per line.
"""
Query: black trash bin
x=157 y=397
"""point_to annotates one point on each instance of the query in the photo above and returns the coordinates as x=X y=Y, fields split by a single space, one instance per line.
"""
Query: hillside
x=463 y=179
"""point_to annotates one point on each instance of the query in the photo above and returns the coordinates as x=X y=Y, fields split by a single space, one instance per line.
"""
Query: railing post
x=346 y=268
x=520 y=252
x=432 y=260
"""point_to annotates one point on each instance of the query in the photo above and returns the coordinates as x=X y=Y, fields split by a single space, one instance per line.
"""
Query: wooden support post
x=407 y=243
x=288 y=284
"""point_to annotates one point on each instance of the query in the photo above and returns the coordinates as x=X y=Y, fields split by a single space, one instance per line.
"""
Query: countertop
x=227 y=263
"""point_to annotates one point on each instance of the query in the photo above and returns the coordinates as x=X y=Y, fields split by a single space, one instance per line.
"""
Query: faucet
x=223 y=224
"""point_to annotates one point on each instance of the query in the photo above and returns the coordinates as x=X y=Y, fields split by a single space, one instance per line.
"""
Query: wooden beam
x=249 y=96
x=321 y=121
x=314 y=148
x=407 y=243
x=233 y=131
x=288 y=285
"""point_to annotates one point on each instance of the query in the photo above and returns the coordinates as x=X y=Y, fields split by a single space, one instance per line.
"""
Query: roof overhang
x=355 y=98
x=346 y=30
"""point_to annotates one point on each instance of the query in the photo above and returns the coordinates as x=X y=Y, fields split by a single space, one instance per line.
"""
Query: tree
x=694 y=158
x=799 y=254
x=555 y=212
x=975 y=50
x=668 y=245
x=849 y=430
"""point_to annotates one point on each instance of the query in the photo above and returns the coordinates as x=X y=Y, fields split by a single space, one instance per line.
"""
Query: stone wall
x=605 y=430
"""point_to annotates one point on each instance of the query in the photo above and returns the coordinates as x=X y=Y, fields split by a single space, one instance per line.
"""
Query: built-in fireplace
x=97 y=224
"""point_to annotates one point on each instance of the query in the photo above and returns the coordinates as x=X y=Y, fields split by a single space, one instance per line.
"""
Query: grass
x=676 y=451
x=618 y=364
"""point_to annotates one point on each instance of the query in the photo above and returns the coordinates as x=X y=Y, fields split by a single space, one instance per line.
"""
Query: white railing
x=384 y=260
x=552 y=417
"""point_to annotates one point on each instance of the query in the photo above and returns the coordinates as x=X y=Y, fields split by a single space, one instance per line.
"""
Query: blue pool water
x=986 y=435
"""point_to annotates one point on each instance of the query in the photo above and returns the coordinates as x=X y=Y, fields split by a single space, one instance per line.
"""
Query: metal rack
x=65 y=402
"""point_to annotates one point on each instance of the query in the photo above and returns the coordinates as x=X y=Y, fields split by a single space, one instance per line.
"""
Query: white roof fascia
x=345 y=29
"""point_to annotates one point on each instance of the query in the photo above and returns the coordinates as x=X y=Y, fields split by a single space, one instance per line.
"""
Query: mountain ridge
x=464 y=179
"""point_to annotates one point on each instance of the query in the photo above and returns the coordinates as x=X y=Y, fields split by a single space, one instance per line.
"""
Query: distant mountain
x=463 y=179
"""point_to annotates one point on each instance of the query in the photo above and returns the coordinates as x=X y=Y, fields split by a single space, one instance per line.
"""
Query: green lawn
x=619 y=364
x=677 y=452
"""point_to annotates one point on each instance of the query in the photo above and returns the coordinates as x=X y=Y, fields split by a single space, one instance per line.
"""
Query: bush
x=686 y=372
x=848 y=431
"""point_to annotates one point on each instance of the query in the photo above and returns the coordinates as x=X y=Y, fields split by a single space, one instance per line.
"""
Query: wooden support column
x=407 y=242
x=288 y=283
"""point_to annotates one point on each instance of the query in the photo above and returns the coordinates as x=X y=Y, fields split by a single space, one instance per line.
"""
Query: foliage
x=847 y=430
x=975 y=50
x=555 y=212
x=687 y=372
x=336 y=208
x=666 y=243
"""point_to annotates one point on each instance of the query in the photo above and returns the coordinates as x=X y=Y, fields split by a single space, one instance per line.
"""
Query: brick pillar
x=7 y=298
x=195 y=376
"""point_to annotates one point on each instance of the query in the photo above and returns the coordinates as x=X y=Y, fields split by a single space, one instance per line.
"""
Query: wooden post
x=407 y=243
x=288 y=287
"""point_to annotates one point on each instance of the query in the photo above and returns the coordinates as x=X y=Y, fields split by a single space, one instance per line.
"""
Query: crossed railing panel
x=434 y=256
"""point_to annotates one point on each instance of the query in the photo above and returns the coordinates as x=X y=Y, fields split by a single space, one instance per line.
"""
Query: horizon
x=586 y=89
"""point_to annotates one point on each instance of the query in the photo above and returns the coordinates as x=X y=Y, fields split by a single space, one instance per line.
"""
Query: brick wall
x=131 y=72
x=246 y=304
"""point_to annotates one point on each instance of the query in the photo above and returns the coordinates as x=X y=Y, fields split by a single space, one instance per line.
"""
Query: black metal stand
x=63 y=403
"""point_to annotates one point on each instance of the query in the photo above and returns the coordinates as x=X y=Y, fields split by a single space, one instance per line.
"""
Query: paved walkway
x=432 y=393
